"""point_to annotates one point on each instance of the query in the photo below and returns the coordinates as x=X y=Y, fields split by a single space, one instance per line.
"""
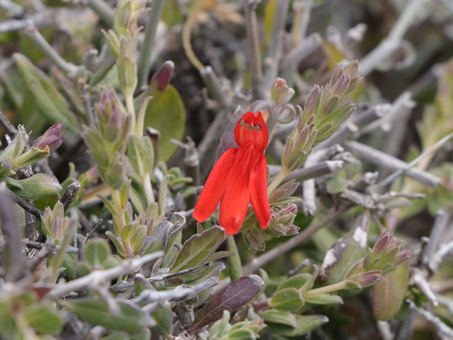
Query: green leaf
x=43 y=318
x=171 y=13
x=96 y=311
x=333 y=55
x=305 y=324
x=278 y=316
x=287 y=299
x=164 y=320
x=70 y=265
x=219 y=255
x=96 y=251
x=37 y=186
x=296 y=281
x=140 y=155
x=388 y=295
x=116 y=336
x=235 y=295
x=241 y=334
x=221 y=327
x=167 y=115
x=198 y=249
x=49 y=101
x=336 y=184
x=324 y=299
x=138 y=237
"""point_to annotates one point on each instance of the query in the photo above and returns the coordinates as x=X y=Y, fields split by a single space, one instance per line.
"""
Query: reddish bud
x=162 y=77
x=51 y=138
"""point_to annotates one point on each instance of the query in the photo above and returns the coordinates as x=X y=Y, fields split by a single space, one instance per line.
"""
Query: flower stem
x=234 y=261
x=277 y=180
x=327 y=289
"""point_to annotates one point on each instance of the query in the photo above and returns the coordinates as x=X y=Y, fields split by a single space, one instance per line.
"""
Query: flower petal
x=258 y=192
x=215 y=186
x=236 y=198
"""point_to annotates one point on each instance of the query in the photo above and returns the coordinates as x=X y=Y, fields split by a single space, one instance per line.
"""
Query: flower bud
x=51 y=139
x=161 y=78
x=367 y=279
x=281 y=93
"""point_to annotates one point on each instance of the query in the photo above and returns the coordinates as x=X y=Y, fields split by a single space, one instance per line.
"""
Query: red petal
x=258 y=192
x=215 y=186
x=235 y=201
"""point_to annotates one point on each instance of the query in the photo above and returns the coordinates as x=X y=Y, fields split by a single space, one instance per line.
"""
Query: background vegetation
x=113 y=113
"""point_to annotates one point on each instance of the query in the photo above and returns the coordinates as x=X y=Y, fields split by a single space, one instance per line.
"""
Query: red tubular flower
x=239 y=177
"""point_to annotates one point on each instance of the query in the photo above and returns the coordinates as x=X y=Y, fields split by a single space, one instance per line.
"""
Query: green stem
x=327 y=289
x=119 y=210
x=234 y=261
x=103 y=10
x=277 y=180
x=49 y=51
x=148 y=42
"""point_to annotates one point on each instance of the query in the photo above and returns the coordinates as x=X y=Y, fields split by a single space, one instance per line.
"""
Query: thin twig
x=120 y=286
x=10 y=128
x=254 y=48
x=49 y=51
x=181 y=292
x=126 y=267
x=306 y=173
x=212 y=83
x=413 y=163
x=25 y=205
x=380 y=158
x=420 y=281
x=436 y=235
x=434 y=320
x=144 y=64
x=12 y=7
x=389 y=45
x=274 y=51
x=270 y=256
x=301 y=51
x=401 y=105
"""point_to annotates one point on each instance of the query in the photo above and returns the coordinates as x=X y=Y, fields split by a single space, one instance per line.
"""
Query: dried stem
x=69 y=194
x=25 y=205
x=10 y=128
x=274 y=51
x=254 y=49
x=389 y=162
x=126 y=267
x=270 y=256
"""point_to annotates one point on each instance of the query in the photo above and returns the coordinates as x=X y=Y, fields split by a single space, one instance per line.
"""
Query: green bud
x=54 y=223
x=127 y=75
x=123 y=15
x=113 y=42
x=281 y=93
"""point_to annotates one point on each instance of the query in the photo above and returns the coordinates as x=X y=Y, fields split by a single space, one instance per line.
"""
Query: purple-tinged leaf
x=233 y=296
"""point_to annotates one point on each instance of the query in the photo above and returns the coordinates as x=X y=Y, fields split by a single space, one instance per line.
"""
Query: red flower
x=239 y=177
